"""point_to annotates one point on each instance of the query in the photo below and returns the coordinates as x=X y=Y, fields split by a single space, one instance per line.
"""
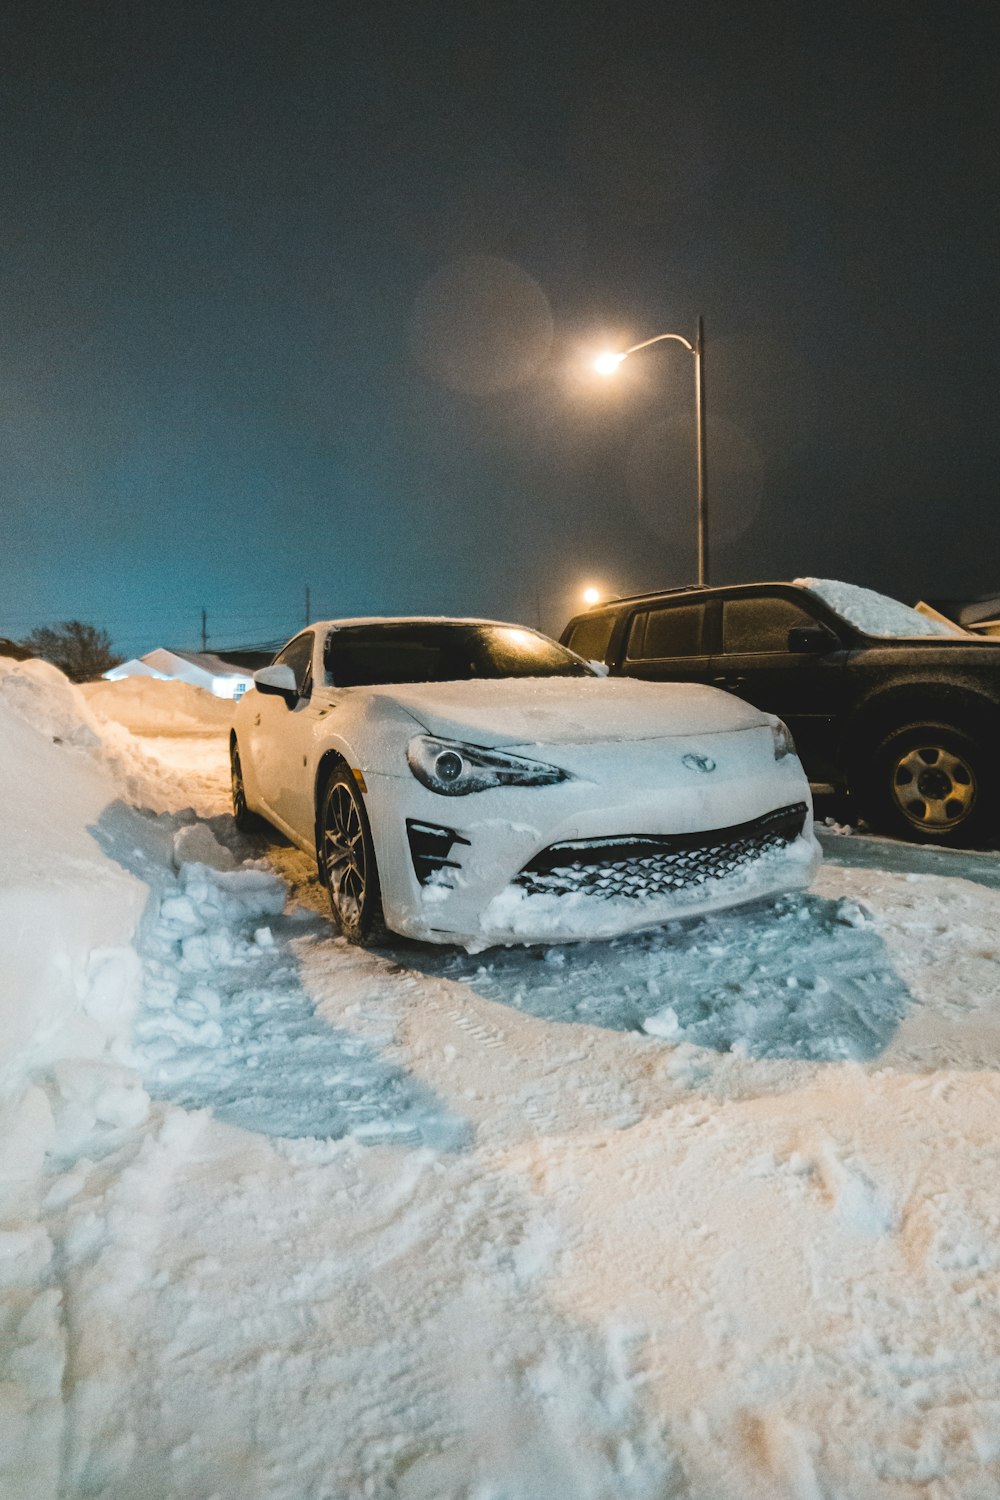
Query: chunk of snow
x=197 y=844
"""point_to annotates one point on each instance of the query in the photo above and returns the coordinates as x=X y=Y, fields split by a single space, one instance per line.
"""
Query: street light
x=591 y=596
x=607 y=364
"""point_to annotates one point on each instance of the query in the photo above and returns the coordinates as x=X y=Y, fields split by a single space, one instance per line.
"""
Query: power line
x=156 y=621
x=148 y=627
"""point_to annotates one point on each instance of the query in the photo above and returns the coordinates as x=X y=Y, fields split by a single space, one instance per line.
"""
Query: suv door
x=669 y=642
x=590 y=635
x=805 y=688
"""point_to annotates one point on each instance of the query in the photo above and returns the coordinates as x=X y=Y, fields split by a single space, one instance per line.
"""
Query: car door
x=806 y=688
x=669 y=642
x=280 y=733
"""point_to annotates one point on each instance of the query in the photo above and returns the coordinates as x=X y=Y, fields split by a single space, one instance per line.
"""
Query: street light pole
x=608 y=363
x=699 y=397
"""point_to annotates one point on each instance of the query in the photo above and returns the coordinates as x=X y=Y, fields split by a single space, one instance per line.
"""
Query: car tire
x=245 y=820
x=346 y=855
x=930 y=783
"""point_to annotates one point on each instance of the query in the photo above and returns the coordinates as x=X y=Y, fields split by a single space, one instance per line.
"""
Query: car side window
x=758 y=624
x=591 y=637
x=676 y=630
x=298 y=655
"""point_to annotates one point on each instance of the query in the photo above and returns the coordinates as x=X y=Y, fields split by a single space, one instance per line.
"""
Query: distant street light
x=607 y=364
x=591 y=596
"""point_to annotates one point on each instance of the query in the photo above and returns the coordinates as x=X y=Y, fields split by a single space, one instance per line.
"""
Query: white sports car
x=464 y=781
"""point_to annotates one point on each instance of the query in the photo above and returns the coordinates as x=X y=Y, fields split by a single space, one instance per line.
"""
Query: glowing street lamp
x=607 y=364
x=591 y=597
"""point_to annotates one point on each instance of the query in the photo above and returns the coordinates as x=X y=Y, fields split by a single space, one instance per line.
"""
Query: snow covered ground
x=709 y=1213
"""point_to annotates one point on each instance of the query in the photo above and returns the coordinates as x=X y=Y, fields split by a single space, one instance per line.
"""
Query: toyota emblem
x=699 y=762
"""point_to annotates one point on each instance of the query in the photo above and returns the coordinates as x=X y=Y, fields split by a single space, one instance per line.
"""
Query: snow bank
x=68 y=984
x=68 y=909
x=151 y=706
x=70 y=902
x=44 y=697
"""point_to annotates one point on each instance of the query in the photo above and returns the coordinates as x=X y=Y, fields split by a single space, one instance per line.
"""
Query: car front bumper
x=649 y=838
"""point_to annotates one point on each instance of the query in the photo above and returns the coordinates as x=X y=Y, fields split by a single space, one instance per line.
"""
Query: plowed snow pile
x=150 y=706
x=710 y=1213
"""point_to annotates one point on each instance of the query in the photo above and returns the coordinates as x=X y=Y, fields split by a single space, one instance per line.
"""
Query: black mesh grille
x=430 y=847
x=637 y=865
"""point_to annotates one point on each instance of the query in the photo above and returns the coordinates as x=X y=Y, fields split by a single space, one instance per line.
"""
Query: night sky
x=304 y=294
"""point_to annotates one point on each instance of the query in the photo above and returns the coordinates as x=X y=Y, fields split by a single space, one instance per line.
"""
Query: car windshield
x=365 y=655
x=877 y=614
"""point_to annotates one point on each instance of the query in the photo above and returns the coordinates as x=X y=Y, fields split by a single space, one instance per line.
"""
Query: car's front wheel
x=931 y=783
x=346 y=856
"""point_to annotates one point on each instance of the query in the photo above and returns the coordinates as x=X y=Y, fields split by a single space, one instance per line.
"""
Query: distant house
x=216 y=674
x=135 y=667
x=981 y=616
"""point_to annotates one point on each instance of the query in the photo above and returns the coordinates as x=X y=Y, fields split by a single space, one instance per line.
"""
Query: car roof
x=414 y=620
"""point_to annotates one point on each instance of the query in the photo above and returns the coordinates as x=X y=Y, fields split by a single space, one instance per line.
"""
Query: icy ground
x=711 y=1213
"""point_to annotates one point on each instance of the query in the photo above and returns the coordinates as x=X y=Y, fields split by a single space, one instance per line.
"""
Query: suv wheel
x=346 y=855
x=930 y=783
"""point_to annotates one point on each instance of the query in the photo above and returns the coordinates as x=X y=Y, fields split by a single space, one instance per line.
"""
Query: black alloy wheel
x=245 y=820
x=347 y=861
x=930 y=784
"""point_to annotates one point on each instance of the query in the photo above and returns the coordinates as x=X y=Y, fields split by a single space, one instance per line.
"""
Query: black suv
x=899 y=710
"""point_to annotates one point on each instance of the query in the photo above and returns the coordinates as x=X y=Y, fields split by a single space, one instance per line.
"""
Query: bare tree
x=81 y=651
x=17 y=649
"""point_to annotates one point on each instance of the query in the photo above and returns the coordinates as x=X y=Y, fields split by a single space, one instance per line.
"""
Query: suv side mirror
x=278 y=679
x=816 y=640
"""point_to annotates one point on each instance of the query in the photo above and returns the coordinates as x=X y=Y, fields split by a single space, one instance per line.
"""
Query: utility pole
x=308 y=615
x=204 y=629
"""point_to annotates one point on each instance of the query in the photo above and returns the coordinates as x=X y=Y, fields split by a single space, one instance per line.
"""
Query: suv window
x=298 y=655
x=760 y=624
x=591 y=637
x=673 y=631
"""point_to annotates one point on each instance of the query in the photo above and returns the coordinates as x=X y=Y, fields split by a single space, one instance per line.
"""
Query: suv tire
x=929 y=783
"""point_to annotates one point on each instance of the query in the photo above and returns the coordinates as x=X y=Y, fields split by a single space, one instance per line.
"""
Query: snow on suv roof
x=875 y=614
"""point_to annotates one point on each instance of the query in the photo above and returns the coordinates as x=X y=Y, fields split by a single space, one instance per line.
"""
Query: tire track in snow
x=227 y=1024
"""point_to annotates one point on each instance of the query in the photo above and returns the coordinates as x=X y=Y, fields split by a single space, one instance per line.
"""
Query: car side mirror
x=278 y=679
x=815 y=640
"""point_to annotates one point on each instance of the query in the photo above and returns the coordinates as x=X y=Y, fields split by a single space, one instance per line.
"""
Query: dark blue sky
x=303 y=294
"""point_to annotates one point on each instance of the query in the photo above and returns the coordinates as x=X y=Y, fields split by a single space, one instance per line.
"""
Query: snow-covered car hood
x=569 y=710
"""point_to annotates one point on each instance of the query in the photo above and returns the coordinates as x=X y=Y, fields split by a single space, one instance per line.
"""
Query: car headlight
x=455 y=769
x=783 y=742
